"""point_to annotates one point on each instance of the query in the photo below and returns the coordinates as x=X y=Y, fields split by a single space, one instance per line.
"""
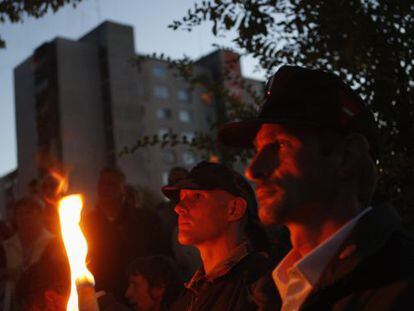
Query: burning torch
x=82 y=293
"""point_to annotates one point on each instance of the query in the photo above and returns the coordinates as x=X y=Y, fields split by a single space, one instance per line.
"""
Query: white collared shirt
x=296 y=276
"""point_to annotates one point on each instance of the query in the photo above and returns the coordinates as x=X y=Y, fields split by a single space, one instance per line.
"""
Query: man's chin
x=270 y=213
x=266 y=217
x=185 y=240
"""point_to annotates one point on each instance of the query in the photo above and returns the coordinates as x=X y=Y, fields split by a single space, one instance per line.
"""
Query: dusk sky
x=149 y=19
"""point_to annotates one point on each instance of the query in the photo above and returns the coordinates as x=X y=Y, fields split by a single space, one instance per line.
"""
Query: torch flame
x=70 y=208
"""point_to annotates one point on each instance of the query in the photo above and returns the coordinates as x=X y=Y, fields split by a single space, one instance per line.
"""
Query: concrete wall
x=26 y=131
x=81 y=115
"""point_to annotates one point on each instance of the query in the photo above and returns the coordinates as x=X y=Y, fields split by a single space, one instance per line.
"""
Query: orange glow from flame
x=70 y=208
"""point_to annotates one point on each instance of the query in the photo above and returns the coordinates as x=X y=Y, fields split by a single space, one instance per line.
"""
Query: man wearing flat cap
x=316 y=147
x=217 y=213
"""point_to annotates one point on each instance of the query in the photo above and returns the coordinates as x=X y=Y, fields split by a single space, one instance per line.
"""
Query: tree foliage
x=14 y=11
x=369 y=43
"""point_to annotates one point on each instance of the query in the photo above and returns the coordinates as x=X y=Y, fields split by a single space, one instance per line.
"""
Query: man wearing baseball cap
x=217 y=213
x=316 y=145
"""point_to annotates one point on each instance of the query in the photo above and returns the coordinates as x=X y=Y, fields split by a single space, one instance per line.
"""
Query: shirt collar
x=235 y=256
x=313 y=264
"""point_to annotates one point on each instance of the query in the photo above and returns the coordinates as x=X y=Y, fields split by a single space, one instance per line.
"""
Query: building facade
x=79 y=103
x=8 y=184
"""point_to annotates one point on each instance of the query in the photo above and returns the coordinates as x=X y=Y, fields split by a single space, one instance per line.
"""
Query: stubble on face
x=287 y=172
x=272 y=205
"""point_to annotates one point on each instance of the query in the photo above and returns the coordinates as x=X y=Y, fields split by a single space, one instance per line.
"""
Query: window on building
x=161 y=92
x=164 y=113
x=159 y=70
x=185 y=116
x=164 y=132
x=189 y=157
x=189 y=136
x=183 y=95
x=168 y=156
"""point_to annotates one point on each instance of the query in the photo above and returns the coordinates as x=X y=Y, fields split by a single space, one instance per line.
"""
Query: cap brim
x=239 y=134
x=173 y=191
x=242 y=134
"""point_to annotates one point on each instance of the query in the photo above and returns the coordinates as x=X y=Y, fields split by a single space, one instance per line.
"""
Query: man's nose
x=262 y=165
x=180 y=208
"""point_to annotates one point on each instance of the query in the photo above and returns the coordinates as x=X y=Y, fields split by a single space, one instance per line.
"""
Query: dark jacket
x=235 y=290
x=373 y=269
x=113 y=245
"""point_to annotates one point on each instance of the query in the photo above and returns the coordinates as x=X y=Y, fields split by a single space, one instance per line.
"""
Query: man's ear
x=236 y=209
x=355 y=149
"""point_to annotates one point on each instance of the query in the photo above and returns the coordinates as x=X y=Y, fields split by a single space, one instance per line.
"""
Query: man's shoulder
x=246 y=286
x=262 y=289
x=265 y=293
x=381 y=257
x=259 y=258
x=399 y=249
x=394 y=244
x=390 y=264
x=403 y=240
x=380 y=238
x=386 y=275
x=376 y=280
x=253 y=267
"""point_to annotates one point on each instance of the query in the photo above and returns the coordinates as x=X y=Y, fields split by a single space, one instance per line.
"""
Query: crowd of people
x=306 y=238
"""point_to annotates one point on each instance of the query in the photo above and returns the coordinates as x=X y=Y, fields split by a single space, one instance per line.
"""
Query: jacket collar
x=369 y=235
x=222 y=268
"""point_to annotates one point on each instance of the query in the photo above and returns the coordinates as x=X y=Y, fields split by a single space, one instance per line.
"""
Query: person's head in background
x=28 y=216
x=111 y=191
x=44 y=286
x=216 y=204
x=154 y=283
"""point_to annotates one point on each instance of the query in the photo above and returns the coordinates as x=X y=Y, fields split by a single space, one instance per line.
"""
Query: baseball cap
x=302 y=96
x=210 y=176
